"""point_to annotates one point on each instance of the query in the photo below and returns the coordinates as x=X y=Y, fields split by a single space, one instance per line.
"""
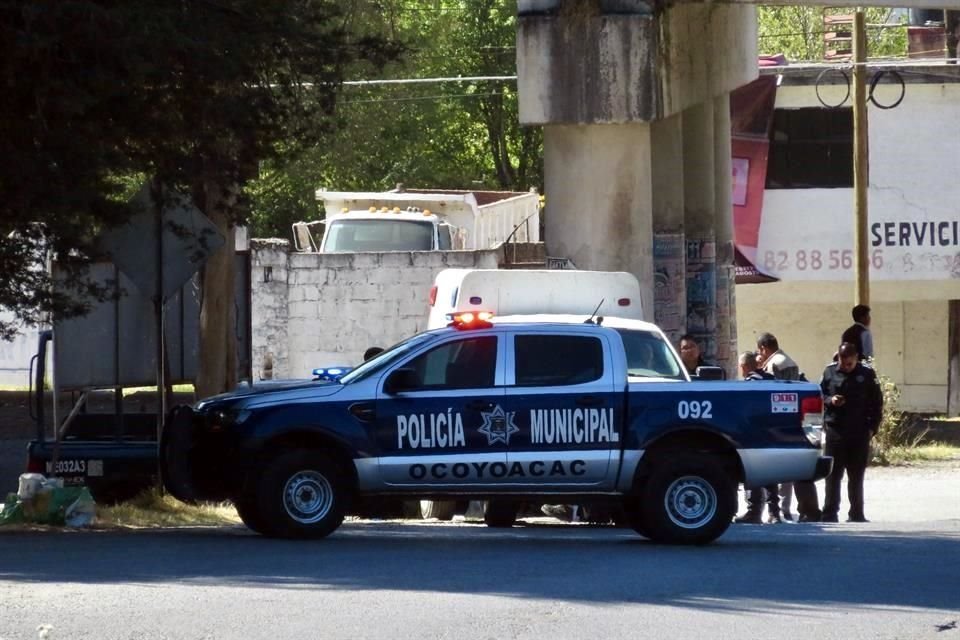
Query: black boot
x=750 y=517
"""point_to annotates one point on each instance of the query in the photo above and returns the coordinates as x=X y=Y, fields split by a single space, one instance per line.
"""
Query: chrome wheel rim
x=307 y=497
x=691 y=502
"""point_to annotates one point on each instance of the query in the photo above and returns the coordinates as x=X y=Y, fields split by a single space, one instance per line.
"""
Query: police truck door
x=560 y=394
x=444 y=427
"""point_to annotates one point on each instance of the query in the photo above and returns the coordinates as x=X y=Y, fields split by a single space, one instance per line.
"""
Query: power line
x=364 y=83
x=423 y=98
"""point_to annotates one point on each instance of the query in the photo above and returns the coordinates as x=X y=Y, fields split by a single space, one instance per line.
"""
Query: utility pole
x=861 y=160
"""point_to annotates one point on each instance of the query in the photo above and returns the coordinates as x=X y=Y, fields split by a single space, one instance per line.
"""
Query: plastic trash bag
x=81 y=511
x=12 y=512
x=51 y=506
x=43 y=500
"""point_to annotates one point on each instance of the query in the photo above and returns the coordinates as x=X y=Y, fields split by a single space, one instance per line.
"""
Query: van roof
x=612 y=322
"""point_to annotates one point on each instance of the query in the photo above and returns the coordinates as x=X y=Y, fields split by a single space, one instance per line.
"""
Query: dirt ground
x=16 y=422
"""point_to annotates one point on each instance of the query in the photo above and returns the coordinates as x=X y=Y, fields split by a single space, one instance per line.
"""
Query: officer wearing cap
x=853 y=407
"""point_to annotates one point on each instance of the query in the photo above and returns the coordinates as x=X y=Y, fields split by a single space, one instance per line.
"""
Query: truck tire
x=249 y=513
x=689 y=498
x=299 y=494
x=633 y=516
x=439 y=509
x=176 y=454
x=500 y=514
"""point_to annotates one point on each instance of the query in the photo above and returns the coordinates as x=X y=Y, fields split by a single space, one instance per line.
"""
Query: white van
x=515 y=292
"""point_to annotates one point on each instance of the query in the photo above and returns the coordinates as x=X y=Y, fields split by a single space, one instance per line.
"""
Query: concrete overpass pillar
x=598 y=181
x=608 y=80
x=726 y=272
x=699 y=206
x=669 y=248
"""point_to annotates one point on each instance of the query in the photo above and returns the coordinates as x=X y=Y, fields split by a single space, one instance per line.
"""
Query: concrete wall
x=311 y=310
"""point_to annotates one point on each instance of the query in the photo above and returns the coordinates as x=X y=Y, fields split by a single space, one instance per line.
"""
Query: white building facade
x=805 y=234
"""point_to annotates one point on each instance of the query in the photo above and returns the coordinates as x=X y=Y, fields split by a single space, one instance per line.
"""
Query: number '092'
x=695 y=409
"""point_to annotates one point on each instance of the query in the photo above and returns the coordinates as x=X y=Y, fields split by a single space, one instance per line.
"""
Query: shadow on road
x=806 y=567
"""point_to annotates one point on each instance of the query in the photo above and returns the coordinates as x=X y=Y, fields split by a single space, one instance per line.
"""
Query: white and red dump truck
x=420 y=220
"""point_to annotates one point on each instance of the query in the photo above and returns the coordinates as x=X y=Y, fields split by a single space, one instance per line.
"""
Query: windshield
x=378 y=235
x=649 y=355
x=384 y=359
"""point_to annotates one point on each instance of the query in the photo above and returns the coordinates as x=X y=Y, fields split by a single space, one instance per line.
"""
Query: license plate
x=64 y=468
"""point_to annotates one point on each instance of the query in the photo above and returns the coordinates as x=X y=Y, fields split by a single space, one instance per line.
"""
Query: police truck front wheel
x=300 y=494
x=688 y=499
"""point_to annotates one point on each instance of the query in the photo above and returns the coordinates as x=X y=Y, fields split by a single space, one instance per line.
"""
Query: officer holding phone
x=853 y=407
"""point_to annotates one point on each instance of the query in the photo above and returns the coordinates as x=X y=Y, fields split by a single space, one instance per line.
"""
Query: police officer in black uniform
x=853 y=406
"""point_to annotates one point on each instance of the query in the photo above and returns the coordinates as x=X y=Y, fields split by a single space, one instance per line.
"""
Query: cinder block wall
x=311 y=310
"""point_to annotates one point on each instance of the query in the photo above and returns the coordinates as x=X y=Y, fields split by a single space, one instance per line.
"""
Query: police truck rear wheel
x=439 y=509
x=633 y=515
x=300 y=494
x=688 y=499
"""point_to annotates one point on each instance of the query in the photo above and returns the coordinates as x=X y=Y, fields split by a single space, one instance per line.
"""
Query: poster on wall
x=701 y=257
x=669 y=291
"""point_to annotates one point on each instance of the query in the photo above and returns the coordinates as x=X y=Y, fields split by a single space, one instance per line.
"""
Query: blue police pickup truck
x=505 y=410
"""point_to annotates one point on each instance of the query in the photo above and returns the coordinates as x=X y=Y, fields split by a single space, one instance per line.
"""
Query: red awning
x=747 y=272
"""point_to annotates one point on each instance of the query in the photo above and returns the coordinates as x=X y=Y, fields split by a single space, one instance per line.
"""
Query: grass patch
x=932 y=452
x=151 y=509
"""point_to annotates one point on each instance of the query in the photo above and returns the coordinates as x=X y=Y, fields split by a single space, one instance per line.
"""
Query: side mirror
x=710 y=373
x=401 y=380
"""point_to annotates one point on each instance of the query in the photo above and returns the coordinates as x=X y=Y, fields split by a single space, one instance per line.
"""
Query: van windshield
x=649 y=355
x=378 y=235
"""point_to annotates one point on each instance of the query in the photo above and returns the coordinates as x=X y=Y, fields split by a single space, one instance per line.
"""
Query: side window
x=464 y=364
x=445 y=243
x=546 y=361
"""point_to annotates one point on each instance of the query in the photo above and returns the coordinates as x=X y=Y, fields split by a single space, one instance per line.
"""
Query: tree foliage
x=194 y=94
x=798 y=32
x=463 y=135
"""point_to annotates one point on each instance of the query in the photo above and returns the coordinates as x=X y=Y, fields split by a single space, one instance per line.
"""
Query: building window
x=811 y=148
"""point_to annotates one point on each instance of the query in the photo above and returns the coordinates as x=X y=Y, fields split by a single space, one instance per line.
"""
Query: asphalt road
x=387 y=580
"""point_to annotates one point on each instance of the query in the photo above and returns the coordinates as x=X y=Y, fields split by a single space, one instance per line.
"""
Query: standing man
x=750 y=369
x=755 y=498
x=853 y=407
x=858 y=334
x=776 y=362
x=690 y=354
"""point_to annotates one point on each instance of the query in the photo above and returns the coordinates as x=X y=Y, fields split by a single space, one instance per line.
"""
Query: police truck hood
x=316 y=388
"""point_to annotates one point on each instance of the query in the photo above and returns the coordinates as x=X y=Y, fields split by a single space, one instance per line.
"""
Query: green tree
x=195 y=94
x=462 y=135
x=798 y=32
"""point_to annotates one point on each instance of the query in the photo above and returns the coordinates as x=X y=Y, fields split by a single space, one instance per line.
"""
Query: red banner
x=751 y=115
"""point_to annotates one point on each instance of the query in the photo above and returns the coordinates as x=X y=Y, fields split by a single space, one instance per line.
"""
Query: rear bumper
x=762 y=467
